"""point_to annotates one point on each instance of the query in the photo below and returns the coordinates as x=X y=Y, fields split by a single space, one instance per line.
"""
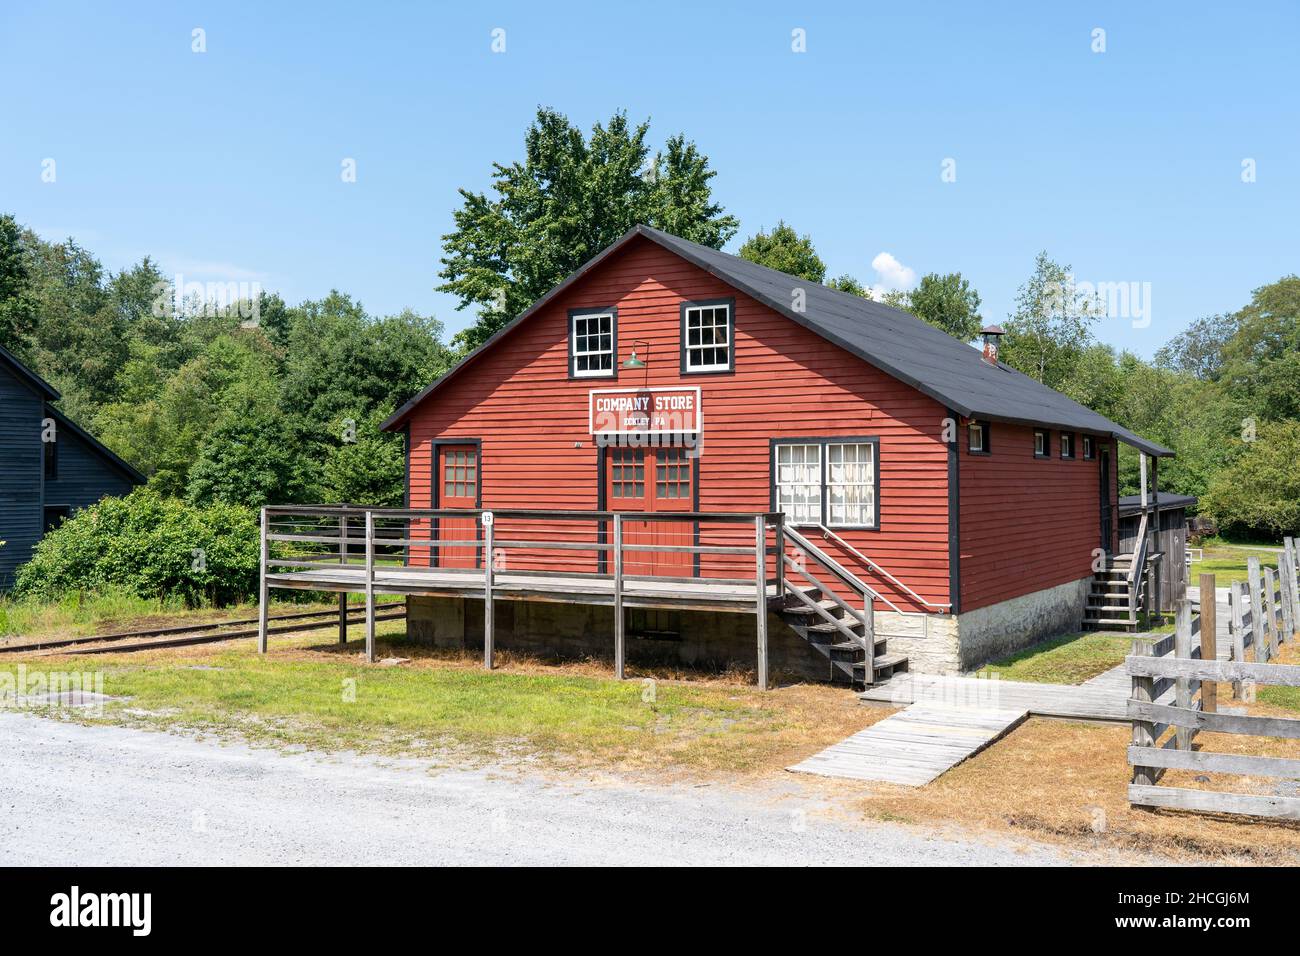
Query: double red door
x=655 y=480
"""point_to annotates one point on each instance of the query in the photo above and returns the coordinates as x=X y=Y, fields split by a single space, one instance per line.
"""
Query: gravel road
x=100 y=795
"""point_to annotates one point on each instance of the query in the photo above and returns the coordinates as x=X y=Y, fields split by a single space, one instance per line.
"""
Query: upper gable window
x=593 y=343
x=707 y=344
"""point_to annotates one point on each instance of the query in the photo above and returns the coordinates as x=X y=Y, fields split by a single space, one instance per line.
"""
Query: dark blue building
x=49 y=465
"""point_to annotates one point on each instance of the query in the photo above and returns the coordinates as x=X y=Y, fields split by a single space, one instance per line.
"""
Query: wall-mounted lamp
x=632 y=361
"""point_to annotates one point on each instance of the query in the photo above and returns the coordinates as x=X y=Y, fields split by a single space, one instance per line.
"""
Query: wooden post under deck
x=620 y=649
x=263 y=595
x=1209 y=642
x=370 y=586
x=489 y=617
x=760 y=611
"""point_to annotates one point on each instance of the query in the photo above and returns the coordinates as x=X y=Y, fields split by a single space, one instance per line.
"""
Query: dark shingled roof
x=933 y=362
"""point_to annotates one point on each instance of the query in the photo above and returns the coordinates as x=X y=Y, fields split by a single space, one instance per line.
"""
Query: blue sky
x=225 y=165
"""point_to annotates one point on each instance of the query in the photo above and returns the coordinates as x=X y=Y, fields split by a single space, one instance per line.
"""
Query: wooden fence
x=1174 y=694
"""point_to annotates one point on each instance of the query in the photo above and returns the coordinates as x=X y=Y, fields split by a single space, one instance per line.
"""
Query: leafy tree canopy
x=570 y=197
x=786 y=251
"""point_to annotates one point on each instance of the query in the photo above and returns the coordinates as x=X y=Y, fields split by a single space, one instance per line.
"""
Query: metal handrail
x=837 y=569
x=879 y=570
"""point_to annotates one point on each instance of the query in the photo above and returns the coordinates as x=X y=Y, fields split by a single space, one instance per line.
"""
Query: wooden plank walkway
x=913 y=746
x=1108 y=701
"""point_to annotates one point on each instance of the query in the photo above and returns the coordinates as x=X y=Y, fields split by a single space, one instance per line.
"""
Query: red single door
x=654 y=480
x=457 y=478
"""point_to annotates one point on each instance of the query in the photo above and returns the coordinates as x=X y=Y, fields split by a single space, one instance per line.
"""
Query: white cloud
x=891 y=275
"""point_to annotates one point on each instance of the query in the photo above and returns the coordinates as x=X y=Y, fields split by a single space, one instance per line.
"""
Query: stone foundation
x=718 y=641
x=1004 y=628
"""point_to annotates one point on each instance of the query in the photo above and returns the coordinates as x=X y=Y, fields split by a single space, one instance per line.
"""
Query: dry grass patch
x=1068 y=782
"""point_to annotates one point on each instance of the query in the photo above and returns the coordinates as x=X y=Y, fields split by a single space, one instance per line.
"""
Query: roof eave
x=98 y=446
x=398 y=417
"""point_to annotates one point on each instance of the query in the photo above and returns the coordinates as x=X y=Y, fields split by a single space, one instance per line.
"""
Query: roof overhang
x=96 y=445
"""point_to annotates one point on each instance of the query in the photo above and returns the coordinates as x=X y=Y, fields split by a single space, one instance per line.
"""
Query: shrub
x=151 y=547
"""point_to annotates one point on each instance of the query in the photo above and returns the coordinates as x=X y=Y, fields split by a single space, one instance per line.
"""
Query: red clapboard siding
x=517 y=398
x=1027 y=523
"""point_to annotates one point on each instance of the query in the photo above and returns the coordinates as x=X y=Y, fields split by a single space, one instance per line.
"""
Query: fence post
x=1286 y=571
x=1236 y=598
x=1270 y=610
x=619 y=633
x=1143 y=730
x=1183 y=651
x=1257 y=626
x=1209 y=641
x=370 y=586
x=760 y=609
x=263 y=592
x=343 y=595
x=780 y=558
x=489 y=617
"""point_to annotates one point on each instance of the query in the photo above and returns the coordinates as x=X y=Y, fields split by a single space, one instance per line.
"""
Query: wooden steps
x=914 y=746
x=842 y=640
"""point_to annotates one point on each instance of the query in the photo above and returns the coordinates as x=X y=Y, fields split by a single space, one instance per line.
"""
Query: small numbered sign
x=486 y=518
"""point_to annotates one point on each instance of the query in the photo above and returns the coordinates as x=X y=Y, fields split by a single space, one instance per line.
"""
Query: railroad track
x=184 y=635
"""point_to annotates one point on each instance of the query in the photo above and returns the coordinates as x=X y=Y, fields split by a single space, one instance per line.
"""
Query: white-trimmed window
x=799 y=483
x=1087 y=447
x=706 y=337
x=831 y=481
x=851 y=485
x=1067 y=444
x=591 y=348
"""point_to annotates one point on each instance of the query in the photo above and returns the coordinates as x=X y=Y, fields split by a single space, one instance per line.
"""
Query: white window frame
x=869 y=486
x=785 y=500
x=1047 y=443
x=728 y=344
x=1067 y=438
x=1089 y=449
x=816 y=483
x=612 y=351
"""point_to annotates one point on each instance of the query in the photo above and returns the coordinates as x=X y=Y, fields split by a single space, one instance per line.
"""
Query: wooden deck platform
x=913 y=746
x=698 y=593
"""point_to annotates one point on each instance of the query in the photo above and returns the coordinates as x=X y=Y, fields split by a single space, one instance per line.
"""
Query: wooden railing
x=941 y=608
x=866 y=616
x=484 y=544
x=1194 y=666
x=1137 y=570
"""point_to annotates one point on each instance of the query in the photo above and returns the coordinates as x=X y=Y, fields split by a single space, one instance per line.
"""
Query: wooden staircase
x=1114 y=599
x=845 y=635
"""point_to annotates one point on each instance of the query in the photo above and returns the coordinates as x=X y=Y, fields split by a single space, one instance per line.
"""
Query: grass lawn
x=1227 y=561
x=1071 y=659
x=309 y=692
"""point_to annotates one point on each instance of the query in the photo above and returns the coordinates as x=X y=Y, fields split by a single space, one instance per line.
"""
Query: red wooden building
x=668 y=377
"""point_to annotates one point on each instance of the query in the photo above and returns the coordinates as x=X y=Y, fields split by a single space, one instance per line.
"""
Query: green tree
x=786 y=251
x=570 y=197
x=947 y=302
x=370 y=470
x=1259 y=494
x=1198 y=349
x=250 y=459
x=846 y=283
x=1261 y=361
x=1051 y=324
x=17 y=299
